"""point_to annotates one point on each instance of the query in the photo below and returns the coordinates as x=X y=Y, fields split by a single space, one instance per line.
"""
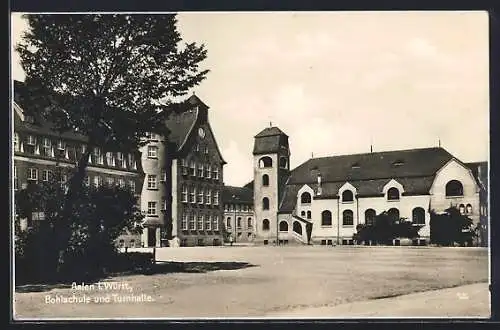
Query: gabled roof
x=180 y=126
x=270 y=140
x=270 y=131
x=234 y=195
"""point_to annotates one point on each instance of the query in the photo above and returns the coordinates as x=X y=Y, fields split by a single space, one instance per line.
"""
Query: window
x=121 y=182
x=393 y=214
x=61 y=145
x=265 y=224
x=151 y=208
x=32 y=174
x=468 y=209
x=303 y=213
x=283 y=226
x=461 y=208
x=265 y=203
x=206 y=150
x=192 y=224
x=45 y=175
x=152 y=152
x=152 y=181
x=228 y=222
x=47 y=147
x=200 y=196
x=98 y=156
x=208 y=196
x=283 y=162
x=215 y=174
x=208 y=222
x=238 y=207
x=16 y=142
x=265 y=162
x=192 y=195
x=308 y=214
x=216 y=198
x=370 y=217
x=184 y=194
x=132 y=185
x=87 y=181
x=305 y=198
x=121 y=160
x=249 y=223
x=347 y=196
x=151 y=136
x=131 y=162
x=297 y=227
x=31 y=140
x=197 y=147
x=238 y=223
x=184 y=222
x=418 y=216
x=265 y=180
x=16 y=182
x=192 y=168
x=200 y=222
x=326 y=218
x=347 y=218
x=208 y=171
x=62 y=181
x=200 y=170
x=110 y=181
x=110 y=160
x=96 y=181
x=393 y=194
x=216 y=222
x=454 y=188
x=163 y=176
x=184 y=167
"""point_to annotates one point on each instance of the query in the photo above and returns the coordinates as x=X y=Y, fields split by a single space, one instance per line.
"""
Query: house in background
x=239 y=218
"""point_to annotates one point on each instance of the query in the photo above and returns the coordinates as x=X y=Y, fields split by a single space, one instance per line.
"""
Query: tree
x=451 y=227
x=110 y=77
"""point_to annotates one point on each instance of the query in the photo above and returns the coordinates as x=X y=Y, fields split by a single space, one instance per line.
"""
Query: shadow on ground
x=169 y=267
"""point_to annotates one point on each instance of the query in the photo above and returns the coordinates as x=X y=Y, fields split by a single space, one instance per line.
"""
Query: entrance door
x=151 y=237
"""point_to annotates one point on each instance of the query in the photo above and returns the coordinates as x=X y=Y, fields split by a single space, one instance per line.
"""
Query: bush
x=451 y=227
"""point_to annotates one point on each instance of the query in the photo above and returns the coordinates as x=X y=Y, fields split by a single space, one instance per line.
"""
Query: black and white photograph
x=250 y=165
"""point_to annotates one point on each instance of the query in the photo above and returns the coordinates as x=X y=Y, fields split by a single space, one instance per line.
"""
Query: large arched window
x=308 y=214
x=265 y=180
x=347 y=196
x=393 y=194
x=265 y=224
x=418 y=216
x=454 y=188
x=283 y=226
x=283 y=162
x=305 y=198
x=393 y=214
x=297 y=227
x=265 y=203
x=326 y=218
x=265 y=162
x=370 y=217
x=347 y=218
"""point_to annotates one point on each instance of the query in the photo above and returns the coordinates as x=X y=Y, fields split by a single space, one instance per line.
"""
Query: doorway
x=151 y=237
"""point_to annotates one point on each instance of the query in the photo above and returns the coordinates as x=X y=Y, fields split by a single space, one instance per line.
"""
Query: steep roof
x=233 y=195
x=270 y=131
x=368 y=173
x=270 y=140
x=180 y=125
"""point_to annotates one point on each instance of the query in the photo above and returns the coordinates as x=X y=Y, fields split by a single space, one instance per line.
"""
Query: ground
x=207 y=282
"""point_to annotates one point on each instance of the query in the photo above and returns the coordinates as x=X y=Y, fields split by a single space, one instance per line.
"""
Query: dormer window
x=398 y=162
x=355 y=166
x=393 y=194
x=347 y=196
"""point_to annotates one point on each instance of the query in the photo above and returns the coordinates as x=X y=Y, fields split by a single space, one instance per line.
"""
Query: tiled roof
x=180 y=125
x=231 y=194
x=270 y=140
x=370 y=166
x=270 y=131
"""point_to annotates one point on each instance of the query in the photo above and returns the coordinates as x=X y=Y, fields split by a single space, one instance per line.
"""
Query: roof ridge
x=376 y=152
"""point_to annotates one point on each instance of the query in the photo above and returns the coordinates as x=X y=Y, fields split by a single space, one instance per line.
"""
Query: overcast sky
x=335 y=81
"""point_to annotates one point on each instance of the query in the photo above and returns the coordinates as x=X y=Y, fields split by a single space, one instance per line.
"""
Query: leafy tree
x=112 y=78
x=451 y=227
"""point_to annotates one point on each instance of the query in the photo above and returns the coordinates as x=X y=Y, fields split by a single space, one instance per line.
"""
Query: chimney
x=319 y=185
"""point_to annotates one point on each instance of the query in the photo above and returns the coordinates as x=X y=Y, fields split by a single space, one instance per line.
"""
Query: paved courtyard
x=274 y=282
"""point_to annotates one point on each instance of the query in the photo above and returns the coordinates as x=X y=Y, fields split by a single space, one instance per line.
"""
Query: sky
x=338 y=82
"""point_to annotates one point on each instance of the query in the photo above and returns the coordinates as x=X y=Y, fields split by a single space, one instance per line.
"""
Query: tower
x=271 y=157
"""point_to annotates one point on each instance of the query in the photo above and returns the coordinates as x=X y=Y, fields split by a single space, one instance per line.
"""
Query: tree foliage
x=451 y=227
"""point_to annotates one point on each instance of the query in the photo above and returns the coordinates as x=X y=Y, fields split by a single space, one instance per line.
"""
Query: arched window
x=468 y=209
x=308 y=214
x=393 y=214
x=454 y=188
x=265 y=162
x=303 y=213
x=347 y=218
x=347 y=196
x=370 y=217
x=265 y=180
x=238 y=222
x=326 y=218
x=265 y=224
x=228 y=222
x=418 y=216
x=283 y=162
x=297 y=227
x=393 y=194
x=461 y=208
x=283 y=226
x=265 y=203
x=305 y=198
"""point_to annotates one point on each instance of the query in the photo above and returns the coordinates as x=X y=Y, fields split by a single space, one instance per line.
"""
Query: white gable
x=393 y=184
